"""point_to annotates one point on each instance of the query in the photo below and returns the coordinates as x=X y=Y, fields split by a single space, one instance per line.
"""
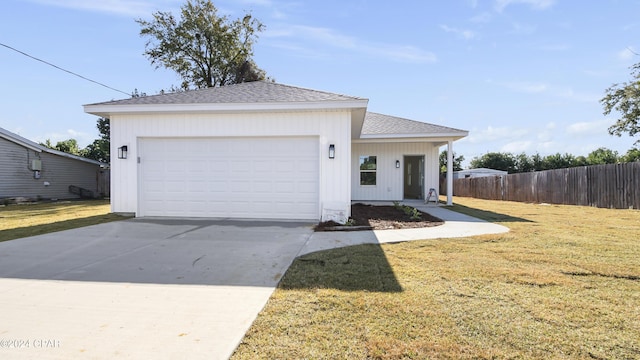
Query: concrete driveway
x=141 y=288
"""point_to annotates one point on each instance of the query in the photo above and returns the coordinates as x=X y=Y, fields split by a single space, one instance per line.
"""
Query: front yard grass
x=563 y=283
x=17 y=221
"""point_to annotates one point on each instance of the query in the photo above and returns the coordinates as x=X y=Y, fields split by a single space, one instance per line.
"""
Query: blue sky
x=520 y=75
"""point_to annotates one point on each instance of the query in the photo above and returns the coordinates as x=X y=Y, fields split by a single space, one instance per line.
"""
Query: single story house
x=32 y=171
x=479 y=172
x=264 y=150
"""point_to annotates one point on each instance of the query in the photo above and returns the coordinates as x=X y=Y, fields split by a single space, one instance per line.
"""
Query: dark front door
x=414 y=177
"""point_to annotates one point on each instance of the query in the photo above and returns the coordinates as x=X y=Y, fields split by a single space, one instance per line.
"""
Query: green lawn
x=563 y=283
x=17 y=221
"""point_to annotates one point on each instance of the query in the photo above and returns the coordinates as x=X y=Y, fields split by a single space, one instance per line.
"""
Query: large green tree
x=457 y=161
x=204 y=48
x=99 y=148
x=602 y=156
x=69 y=146
x=558 y=161
x=631 y=155
x=625 y=99
x=495 y=160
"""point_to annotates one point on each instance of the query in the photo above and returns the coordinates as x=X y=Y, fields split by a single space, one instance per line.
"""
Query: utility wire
x=65 y=70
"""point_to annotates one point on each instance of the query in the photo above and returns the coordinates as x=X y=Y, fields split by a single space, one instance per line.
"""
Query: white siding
x=331 y=127
x=389 y=179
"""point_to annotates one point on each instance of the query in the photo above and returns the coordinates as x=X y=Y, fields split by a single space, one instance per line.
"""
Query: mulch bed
x=373 y=217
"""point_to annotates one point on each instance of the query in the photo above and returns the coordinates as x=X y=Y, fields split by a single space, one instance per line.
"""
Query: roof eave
x=20 y=142
x=414 y=137
x=74 y=157
x=108 y=109
x=39 y=148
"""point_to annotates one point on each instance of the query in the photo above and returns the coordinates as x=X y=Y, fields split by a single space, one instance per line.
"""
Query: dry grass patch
x=17 y=221
x=563 y=283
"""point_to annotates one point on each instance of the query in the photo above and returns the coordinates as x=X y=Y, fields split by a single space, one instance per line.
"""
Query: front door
x=414 y=177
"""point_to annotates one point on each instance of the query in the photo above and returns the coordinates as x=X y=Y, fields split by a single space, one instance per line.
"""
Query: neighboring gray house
x=479 y=172
x=30 y=170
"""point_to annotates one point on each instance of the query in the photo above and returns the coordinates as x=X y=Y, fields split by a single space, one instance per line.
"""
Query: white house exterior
x=262 y=150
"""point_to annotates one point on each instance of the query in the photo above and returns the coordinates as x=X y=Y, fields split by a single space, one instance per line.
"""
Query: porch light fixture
x=332 y=151
x=397 y=164
x=122 y=152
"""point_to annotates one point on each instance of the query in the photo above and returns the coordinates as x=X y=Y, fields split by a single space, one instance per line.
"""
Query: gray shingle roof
x=251 y=92
x=380 y=124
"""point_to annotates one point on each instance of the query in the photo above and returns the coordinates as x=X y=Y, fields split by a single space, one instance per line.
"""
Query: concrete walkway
x=456 y=225
x=162 y=289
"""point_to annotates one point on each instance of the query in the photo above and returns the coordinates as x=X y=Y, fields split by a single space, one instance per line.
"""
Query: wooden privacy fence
x=606 y=186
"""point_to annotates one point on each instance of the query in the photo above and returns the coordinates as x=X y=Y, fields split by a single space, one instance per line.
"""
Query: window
x=368 y=170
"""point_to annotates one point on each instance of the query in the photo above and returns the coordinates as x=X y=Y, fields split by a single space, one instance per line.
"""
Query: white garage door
x=231 y=177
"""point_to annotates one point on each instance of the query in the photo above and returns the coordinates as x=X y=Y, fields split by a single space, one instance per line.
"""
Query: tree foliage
x=69 y=146
x=457 y=161
x=205 y=49
x=625 y=99
x=524 y=163
x=631 y=155
x=98 y=150
x=602 y=156
x=495 y=160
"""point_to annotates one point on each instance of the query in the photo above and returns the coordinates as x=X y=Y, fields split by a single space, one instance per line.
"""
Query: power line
x=65 y=70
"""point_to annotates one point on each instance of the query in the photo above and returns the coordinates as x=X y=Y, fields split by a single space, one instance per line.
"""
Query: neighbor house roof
x=257 y=95
x=383 y=126
x=15 y=138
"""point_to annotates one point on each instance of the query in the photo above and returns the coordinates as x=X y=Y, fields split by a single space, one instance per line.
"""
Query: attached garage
x=231 y=177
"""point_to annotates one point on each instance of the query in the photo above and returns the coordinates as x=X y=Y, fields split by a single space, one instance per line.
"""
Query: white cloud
x=554 y=47
x=82 y=138
x=546 y=133
x=118 y=7
x=312 y=36
x=527 y=87
x=492 y=134
x=517 y=147
x=596 y=127
x=482 y=18
x=500 y=5
x=520 y=28
x=552 y=90
x=465 y=34
x=256 y=2
x=570 y=94
x=627 y=53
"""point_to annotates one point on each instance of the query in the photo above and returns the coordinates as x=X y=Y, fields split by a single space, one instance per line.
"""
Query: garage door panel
x=245 y=177
x=307 y=187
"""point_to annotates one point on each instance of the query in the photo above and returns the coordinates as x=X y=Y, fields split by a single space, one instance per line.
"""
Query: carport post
x=450 y=172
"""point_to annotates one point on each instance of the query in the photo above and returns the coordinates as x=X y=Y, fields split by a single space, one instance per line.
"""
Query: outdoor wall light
x=397 y=164
x=332 y=151
x=122 y=152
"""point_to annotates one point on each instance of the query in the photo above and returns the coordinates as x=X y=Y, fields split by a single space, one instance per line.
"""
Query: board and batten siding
x=330 y=127
x=17 y=180
x=389 y=179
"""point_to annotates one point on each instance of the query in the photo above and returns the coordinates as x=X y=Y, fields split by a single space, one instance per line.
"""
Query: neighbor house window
x=368 y=170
